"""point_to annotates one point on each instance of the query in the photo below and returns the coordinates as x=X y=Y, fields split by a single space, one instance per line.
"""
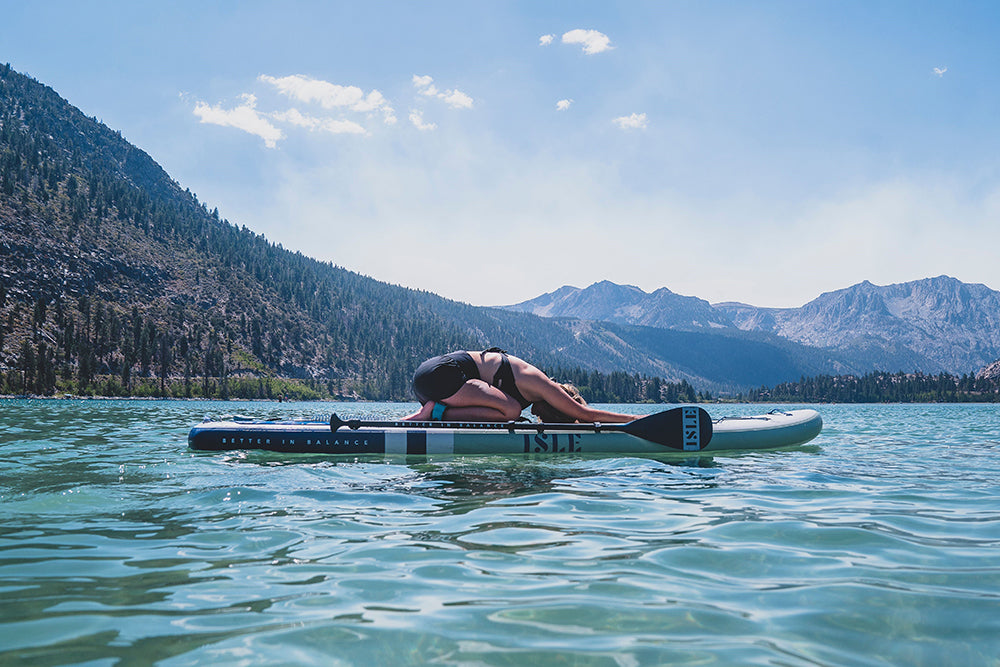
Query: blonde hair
x=549 y=415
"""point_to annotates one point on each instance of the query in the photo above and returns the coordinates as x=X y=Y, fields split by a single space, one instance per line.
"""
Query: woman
x=456 y=384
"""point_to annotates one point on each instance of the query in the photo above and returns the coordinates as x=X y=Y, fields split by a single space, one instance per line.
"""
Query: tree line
x=881 y=387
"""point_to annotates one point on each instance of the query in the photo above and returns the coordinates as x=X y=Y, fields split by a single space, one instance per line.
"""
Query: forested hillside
x=111 y=274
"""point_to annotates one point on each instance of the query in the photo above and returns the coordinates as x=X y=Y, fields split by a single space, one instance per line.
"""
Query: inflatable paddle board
x=679 y=430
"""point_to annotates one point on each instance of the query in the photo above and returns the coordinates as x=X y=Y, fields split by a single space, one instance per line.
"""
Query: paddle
x=687 y=428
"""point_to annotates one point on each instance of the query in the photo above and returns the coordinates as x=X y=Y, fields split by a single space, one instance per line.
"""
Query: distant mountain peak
x=627 y=304
x=608 y=286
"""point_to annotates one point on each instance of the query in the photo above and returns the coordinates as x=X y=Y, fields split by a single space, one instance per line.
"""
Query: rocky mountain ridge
x=932 y=325
x=626 y=304
x=991 y=372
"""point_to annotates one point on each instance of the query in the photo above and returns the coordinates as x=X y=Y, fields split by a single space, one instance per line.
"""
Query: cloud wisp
x=562 y=105
x=637 y=121
x=592 y=41
x=940 y=71
x=331 y=125
x=456 y=99
x=331 y=96
x=334 y=103
x=244 y=117
x=417 y=118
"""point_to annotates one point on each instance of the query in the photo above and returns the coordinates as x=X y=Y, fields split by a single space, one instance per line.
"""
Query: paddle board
x=773 y=430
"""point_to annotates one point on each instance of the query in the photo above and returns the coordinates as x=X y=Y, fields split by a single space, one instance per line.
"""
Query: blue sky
x=762 y=152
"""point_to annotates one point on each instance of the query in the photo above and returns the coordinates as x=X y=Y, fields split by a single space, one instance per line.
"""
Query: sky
x=762 y=152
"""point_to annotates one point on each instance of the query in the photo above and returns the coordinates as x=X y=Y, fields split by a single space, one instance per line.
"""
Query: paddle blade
x=687 y=428
x=337 y=423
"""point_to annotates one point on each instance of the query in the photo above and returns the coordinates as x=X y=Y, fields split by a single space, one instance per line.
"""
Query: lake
x=877 y=544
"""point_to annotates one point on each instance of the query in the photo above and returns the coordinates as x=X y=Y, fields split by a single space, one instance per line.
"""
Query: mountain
x=932 y=325
x=626 y=304
x=114 y=278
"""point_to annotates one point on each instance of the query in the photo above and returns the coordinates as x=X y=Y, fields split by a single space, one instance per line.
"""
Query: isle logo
x=691 y=426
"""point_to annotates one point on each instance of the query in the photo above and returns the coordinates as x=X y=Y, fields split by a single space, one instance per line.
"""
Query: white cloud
x=562 y=105
x=330 y=95
x=425 y=85
x=940 y=71
x=636 y=121
x=591 y=40
x=308 y=90
x=334 y=126
x=545 y=40
x=456 y=99
x=373 y=101
x=295 y=117
x=417 y=118
x=331 y=125
x=244 y=117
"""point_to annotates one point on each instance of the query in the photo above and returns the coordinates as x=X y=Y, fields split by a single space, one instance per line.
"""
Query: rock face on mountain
x=932 y=325
x=627 y=304
x=991 y=372
x=935 y=324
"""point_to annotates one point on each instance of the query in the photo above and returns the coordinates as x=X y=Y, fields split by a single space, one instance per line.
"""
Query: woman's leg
x=475 y=401
x=480 y=401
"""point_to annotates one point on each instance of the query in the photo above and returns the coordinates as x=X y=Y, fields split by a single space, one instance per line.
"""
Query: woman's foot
x=421 y=415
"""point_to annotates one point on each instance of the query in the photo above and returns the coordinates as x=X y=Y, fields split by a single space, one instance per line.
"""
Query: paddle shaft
x=686 y=428
x=338 y=423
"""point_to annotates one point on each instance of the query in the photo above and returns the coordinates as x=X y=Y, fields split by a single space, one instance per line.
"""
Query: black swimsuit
x=440 y=377
x=504 y=379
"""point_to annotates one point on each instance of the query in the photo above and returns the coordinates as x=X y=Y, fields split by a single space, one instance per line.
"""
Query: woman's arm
x=587 y=414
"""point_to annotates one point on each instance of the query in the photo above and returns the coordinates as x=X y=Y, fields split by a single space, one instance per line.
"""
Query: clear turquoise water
x=877 y=545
